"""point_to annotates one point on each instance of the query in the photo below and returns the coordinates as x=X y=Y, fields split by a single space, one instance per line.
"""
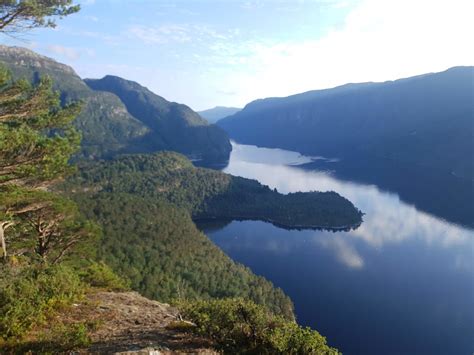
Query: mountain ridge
x=174 y=125
x=351 y=85
x=425 y=120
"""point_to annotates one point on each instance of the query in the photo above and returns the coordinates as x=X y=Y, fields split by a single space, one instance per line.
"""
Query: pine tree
x=18 y=16
x=36 y=143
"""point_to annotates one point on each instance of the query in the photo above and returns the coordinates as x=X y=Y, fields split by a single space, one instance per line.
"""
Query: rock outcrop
x=128 y=323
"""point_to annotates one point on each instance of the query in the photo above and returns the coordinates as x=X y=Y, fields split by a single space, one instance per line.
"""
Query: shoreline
x=347 y=227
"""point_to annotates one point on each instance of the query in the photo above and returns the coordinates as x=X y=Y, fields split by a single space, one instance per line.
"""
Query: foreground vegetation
x=238 y=326
x=33 y=298
x=159 y=249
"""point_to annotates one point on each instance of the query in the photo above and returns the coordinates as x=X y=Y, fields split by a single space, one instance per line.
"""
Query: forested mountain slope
x=425 y=120
x=173 y=126
x=158 y=247
x=110 y=126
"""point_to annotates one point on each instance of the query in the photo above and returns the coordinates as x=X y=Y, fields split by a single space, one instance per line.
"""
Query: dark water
x=402 y=283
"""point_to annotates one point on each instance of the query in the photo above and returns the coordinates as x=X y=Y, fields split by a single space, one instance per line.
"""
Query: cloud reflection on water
x=387 y=220
x=345 y=252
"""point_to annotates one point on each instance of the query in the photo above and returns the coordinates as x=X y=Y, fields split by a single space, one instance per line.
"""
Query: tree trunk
x=3 y=228
x=2 y=241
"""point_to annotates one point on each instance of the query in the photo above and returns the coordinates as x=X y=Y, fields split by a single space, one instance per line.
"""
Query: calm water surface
x=402 y=283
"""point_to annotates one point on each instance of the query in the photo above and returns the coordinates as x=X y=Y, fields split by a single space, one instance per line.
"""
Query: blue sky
x=207 y=53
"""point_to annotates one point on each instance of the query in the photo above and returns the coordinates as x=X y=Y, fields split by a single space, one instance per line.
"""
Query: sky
x=207 y=53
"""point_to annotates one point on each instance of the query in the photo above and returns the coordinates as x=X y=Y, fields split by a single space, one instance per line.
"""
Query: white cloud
x=227 y=93
x=178 y=33
x=340 y=4
x=379 y=40
x=384 y=211
x=252 y=4
x=105 y=38
x=92 y=18
x=69 y=53
x=160 y=35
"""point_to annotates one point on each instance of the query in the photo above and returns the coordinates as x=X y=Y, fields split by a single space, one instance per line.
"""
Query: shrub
x=58 y=338
x=101 y=275
x=68 y=336
x=28 y=294
x=240 y=327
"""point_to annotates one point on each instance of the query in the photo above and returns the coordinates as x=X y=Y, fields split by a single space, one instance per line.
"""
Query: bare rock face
x=27 y=58
x=132 y=324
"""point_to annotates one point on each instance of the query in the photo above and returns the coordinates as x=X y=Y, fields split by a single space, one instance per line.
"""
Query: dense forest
x=206 y=193
x=120 y=116
x=159 y=249
x=424 y=120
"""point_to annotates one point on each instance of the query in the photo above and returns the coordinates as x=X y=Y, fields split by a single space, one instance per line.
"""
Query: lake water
x=401 y=283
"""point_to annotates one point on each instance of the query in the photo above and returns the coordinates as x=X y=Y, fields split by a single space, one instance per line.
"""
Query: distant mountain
x=112 y=126
x=173 y=126
x=425 y=120
x=213 y=115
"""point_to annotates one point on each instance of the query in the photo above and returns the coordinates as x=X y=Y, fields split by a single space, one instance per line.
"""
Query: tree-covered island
x=210 y=194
